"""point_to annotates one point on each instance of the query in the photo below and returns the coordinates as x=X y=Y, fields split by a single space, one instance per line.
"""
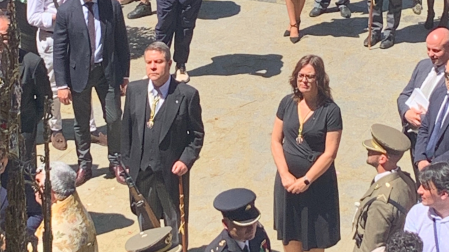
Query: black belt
x=51 y=32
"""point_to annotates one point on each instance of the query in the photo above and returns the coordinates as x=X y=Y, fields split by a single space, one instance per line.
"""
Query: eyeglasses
x=309 y=77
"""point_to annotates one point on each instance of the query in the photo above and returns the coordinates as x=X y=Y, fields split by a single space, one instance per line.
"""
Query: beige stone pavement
x=240 y=63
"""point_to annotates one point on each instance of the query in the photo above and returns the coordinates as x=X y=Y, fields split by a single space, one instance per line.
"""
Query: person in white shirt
x=428 y=74
x=430 y=218
x=42 y=14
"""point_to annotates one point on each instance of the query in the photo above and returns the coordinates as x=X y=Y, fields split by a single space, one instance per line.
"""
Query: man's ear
x=444 y=195
x=383 y=159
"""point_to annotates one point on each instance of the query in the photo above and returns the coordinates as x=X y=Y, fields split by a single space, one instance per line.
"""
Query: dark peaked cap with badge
x=387 y=140
x=238 y=206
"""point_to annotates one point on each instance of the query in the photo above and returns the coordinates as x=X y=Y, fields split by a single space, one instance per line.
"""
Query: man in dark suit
x=177 y=18
x=428 y=74
x=91 y=50
x=35 y=86
x=432 y=144
x=162 y=136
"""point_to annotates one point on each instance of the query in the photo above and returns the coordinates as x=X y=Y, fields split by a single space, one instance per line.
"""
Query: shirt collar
x=163 y=89
x=242 y=244
x=433 y=215
x=383 y=174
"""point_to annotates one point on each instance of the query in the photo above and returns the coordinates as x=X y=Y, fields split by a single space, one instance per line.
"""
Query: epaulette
x=384 y=192
x=220 y=246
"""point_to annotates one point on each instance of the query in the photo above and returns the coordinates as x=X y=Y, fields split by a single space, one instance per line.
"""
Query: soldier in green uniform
x=392 y=193
x=243 y=232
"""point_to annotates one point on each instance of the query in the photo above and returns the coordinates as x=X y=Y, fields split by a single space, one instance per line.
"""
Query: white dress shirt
x=98 y=56
x=163 y=93
x=40 y=13
x=383 y=174
x=431 y=80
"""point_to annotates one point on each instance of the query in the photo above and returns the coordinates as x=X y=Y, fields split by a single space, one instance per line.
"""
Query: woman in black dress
x=304 y=144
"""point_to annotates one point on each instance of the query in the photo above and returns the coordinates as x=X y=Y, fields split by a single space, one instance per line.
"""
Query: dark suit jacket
x=419 y=75
x=72 y=53
x=225 y=243
x=427 y=125
x=182 y=134
x=35 y=86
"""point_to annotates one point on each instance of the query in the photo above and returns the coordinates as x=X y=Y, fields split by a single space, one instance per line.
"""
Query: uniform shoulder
x=219 y=244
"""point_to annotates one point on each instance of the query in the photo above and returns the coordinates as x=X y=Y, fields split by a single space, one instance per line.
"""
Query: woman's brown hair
x=322 y=79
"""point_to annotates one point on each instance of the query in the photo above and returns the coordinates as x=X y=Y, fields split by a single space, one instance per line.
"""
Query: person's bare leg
x=293 y=246
x=291 y=10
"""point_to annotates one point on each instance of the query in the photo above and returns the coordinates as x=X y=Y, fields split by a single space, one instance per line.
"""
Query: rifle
x=141 y=204
x=46 y=197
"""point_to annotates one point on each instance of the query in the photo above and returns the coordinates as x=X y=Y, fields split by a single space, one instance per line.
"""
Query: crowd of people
x=82 y=45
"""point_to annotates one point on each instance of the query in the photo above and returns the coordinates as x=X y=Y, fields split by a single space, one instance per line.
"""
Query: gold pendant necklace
x=300 y=137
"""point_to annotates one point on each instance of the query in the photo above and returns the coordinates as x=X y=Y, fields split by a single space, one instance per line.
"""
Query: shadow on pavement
x=412 y=34
x=67 y=129
x=348 y=27
x=107 y=222
x=139 y=38
x=232 y=64
x=218 y=9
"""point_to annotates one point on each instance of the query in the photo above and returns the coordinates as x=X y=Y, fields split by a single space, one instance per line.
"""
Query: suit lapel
x=439 y=99
x=141 y=101
x=101 y=11
x=79 y=17
x=172 y=102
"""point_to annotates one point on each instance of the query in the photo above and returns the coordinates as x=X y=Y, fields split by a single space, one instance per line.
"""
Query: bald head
x=438 y=46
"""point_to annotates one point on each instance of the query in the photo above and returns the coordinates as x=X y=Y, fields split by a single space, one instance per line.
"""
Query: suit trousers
x=178 y=18
x=44 y=42
x=323 y=4
x=151 y=186
x=110 y=103
x=393 y=16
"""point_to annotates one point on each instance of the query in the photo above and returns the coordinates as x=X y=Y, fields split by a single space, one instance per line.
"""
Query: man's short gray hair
x=160 y=47
x=438 y=174
x=62 y=178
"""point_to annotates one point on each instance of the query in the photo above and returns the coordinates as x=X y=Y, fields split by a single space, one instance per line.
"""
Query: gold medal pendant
x=299 y=139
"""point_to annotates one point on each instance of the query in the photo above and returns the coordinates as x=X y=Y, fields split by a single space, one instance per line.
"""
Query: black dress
x=311 y=217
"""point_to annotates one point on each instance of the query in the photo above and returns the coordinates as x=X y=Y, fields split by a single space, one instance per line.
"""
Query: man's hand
x=179 y=168
x=65 y=96
x=3 y=164
x=422 y=164
x=123 y=87
x=413 y=116
x=40 y=180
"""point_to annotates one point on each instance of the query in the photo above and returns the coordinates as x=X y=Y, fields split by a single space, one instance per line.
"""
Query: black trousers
x=110 y=103
x=151 y=186
x=393 y=16
x=177 y=18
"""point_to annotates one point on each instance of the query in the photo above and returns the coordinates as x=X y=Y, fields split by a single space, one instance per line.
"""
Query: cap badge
x=248 y=207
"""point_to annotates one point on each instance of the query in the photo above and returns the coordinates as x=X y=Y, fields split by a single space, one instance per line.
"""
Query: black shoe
x=429 y=20
x=141 y=10
x=287 y=32
x=315 y=12
x=387 y=42
x=375 y=38
x=345 y=11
